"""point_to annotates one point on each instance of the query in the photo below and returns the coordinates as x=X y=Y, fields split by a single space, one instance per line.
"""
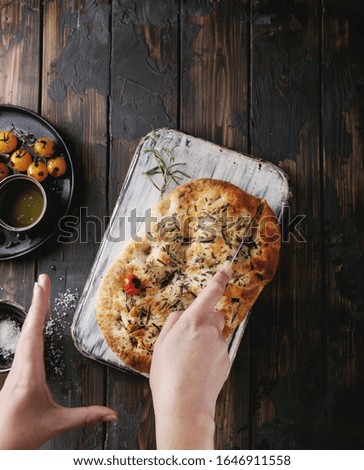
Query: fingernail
x=41 y=277
x=108 y=418
x=227 y=271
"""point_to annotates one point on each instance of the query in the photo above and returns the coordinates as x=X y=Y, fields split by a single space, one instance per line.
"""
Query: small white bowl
x=9 y=311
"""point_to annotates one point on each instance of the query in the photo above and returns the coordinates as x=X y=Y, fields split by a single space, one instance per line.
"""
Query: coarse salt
x=57 y=330
x=9 y=335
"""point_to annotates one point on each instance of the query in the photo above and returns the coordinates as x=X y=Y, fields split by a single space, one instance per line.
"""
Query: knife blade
x=246 y=237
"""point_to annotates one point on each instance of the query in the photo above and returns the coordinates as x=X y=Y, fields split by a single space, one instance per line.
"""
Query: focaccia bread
x=198 y=227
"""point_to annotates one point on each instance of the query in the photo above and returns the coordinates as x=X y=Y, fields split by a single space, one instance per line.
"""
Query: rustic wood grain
x=214 y=106
x=19 y=77
x=144 y=68
x=152 y=30
x=287 y=348
x=77 y=30
x=250 y=75
x=343 y=112
x=215 y=72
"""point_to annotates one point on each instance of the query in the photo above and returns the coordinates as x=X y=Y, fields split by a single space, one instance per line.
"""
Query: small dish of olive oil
x=23 y=202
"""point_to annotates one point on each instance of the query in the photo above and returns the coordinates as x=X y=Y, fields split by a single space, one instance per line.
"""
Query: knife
x=245 y=236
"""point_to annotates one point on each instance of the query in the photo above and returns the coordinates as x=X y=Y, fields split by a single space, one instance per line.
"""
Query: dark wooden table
x=282 y=80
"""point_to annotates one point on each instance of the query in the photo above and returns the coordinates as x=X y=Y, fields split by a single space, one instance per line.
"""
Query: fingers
x=45 y=282
x=29 y=350
x=73 y=418
x=210 y=295
x=37 y=313
x=171 y=320
x=203 y=305
x=217 y=318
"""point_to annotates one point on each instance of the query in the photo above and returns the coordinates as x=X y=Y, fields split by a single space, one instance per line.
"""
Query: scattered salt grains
x=57 y=330
x=9 y=335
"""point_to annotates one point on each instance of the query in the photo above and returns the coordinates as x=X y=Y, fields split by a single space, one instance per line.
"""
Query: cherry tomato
x=20 y=160
x=4 y=171
x=38 y=171
x=57 y=166
x=44 y=147
x=133 y=285
x=8 y=141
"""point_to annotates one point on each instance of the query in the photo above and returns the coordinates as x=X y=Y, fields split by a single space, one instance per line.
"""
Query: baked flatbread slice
x=198 y=227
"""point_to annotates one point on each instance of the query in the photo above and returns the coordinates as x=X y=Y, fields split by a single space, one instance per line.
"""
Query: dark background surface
x=282 y=80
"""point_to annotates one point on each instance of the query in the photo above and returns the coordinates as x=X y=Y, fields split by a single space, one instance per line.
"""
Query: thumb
x=73 y=418
x=210 y=295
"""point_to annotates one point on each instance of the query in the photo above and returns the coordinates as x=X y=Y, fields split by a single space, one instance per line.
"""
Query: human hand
x=189 y=367
x=28 y=414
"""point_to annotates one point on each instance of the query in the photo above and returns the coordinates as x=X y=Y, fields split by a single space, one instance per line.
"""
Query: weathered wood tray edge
x=80 y=303
x=235 y=339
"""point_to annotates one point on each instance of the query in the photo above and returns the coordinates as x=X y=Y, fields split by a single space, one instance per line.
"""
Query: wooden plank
x=215 y=72
x=19 y=76
x=143 y=92
x=74 y=100
x=287 y=348
x=343 y=111
x=214 y=106
x=143 y=96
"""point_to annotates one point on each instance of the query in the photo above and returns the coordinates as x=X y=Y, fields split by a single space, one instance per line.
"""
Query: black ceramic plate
x=59 y=190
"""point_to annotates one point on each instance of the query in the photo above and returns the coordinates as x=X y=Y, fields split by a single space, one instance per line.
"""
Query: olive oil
x=25 y=207
x=22 y=204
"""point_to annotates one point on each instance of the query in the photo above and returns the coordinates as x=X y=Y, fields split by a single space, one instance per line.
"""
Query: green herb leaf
x=165 y=164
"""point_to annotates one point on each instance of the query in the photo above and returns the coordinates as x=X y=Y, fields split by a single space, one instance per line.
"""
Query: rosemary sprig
x=166 y=166
x=25 y=137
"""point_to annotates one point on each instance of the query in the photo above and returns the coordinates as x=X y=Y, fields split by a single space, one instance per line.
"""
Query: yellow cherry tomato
x=4 y=171
x=8 y=142
x=38 y=171
x=57 y=166
x=20 y=160
x=44 y=147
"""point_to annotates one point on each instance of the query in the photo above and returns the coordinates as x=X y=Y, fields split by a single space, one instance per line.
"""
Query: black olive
x=136 y=282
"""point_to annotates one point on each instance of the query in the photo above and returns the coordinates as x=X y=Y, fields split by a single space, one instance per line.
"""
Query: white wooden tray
x=202 y=160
